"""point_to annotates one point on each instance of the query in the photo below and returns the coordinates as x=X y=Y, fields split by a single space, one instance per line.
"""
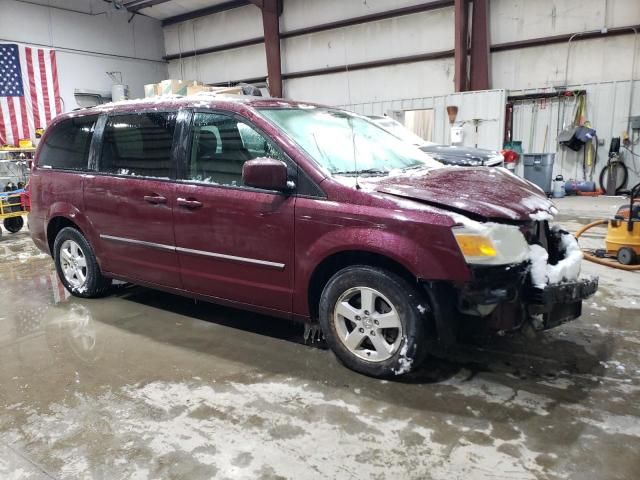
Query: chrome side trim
x=252 y=261
x=138 y=242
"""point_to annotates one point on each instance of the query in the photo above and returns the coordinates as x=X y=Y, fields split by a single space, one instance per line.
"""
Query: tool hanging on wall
x=581 y=111
x=577 y=134
x=589 y=157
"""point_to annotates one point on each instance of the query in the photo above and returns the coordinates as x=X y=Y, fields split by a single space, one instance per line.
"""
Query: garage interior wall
x=602 y=66
x=597 y=60
x=88 y=44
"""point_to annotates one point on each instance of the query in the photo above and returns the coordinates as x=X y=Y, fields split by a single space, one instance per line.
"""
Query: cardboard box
x=150 y=90
x=176 y=87
x=230 y=90
x=195 y=89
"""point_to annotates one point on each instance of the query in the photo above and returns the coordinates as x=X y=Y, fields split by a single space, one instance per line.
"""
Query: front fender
x=430 y=255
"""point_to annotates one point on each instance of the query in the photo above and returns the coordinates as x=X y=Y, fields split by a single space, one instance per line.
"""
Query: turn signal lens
x=473 y=245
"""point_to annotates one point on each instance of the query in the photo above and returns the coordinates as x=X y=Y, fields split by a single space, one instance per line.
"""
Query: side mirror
x=267 y=173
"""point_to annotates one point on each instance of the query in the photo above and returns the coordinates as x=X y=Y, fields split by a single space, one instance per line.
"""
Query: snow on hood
x=490 y=193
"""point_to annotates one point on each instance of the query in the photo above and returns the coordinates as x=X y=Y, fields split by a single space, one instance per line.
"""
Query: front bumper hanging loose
x=560 y=303
x=509 y=289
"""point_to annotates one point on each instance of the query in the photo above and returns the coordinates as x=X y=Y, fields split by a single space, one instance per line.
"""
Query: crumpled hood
x=491 y=193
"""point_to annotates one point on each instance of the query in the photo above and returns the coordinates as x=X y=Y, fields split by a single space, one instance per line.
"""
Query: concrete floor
x=147 y=385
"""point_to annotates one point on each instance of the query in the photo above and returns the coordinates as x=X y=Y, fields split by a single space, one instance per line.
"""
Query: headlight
x=491 y=243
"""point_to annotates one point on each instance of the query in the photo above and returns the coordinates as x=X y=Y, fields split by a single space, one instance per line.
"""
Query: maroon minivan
x=300 y=211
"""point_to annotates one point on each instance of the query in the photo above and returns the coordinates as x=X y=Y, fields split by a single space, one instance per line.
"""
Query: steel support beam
x=271 y=10
x=203 y=12
x=137 y=5
x=479 y=64
x=461 y=12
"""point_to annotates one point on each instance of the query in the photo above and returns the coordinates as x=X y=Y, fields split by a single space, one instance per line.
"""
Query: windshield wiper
x=365 y=171
x=416 y=167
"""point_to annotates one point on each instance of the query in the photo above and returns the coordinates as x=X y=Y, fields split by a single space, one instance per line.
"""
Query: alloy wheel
x=367 y=324
x=73 y=263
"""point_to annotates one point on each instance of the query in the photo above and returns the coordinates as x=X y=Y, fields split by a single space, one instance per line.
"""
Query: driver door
x=234 y=242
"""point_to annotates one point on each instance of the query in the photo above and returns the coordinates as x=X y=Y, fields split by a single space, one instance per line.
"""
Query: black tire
x=627 y=256
x=13 y=224
x=621 y=172
x=411 y=307
x=95 y=284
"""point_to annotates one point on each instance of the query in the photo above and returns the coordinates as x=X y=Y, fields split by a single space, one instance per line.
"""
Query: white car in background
x=447 y=154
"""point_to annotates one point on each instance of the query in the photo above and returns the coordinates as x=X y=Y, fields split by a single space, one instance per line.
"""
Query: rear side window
x=139 y=144
x=67 y=145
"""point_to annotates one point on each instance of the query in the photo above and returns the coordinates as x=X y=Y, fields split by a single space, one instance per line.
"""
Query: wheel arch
x=54 y=226
x=65 y=214
x=335 y=262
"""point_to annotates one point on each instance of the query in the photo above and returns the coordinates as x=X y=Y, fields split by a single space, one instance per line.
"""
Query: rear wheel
x=77 y=266
x=13 y=224
x=374 y=321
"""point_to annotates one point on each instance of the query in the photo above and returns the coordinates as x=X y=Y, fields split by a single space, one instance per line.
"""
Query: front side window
x=139 y=144
x=347 y=144
x=221 y=144
x=67 y=145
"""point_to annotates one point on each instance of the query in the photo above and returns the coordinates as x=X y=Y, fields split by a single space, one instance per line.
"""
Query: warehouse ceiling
x=163 y=9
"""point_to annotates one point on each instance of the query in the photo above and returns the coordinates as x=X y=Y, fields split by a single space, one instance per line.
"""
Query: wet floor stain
x=147 y=385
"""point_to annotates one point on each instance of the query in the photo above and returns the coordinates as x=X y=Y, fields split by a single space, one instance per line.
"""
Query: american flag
x=29 y=91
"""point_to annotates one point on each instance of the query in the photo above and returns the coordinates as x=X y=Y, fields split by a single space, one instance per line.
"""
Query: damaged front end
x=541 y=290
x=553 y=291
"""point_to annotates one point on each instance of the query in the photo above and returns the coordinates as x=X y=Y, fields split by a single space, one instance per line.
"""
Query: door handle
x=183 y=202
x=155 y=199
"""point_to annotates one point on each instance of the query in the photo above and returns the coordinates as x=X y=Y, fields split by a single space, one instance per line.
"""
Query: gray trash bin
x=538 y=169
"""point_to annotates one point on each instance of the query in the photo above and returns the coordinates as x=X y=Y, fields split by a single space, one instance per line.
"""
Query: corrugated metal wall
x=537 y=124
x=486 y=108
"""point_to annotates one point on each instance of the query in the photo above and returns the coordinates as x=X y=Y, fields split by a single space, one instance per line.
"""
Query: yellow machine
x=623 y=232
x=12 y=210
x=622 y=241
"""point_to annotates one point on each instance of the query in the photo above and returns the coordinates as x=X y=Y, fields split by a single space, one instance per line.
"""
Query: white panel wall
x=236 y=64
x=109 y=34
x=513 y=20
x=409 y=80
x=608 y=58
x=397 y=37
x=307 y=13
x=590 y=61
x=225 y=27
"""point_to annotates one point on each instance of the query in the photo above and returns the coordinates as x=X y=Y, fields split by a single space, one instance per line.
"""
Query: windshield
x=345 y=143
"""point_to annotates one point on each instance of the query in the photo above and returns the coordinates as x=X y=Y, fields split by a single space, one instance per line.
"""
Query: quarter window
x=221 y=145
x=139 y=145
x=67 y=145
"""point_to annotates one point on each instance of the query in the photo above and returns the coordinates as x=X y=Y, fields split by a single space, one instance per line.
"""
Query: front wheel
x=77 y=266
x=374 y=321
